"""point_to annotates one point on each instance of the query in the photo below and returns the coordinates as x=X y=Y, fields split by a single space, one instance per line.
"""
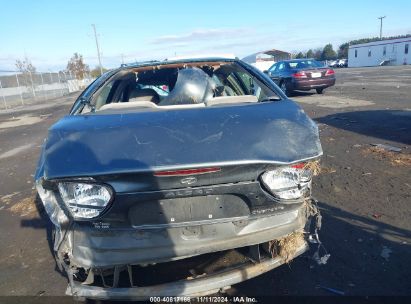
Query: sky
x=48 y=32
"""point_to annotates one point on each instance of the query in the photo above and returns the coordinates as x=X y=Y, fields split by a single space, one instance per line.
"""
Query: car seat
x=146 y=94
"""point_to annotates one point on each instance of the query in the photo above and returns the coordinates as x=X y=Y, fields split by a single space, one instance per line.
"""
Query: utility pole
x=98 y=49
x=382 y=17
x=122 y=58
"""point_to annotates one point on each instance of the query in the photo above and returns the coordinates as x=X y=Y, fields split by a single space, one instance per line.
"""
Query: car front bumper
x=121 y=250
x=91 y=248
x=196 y=287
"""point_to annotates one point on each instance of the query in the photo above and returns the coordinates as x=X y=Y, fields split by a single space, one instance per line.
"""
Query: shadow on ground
x=390 y=125
x=43 y=222
x=368 y=258
x=302 y=93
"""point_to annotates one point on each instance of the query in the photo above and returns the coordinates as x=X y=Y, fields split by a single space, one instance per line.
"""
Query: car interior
x=178 y=86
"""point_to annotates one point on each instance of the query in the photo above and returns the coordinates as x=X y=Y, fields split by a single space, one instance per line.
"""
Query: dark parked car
x=162 y=169
x=302 y=75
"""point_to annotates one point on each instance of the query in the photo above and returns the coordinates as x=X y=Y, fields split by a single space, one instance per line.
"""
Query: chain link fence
x=21 y=89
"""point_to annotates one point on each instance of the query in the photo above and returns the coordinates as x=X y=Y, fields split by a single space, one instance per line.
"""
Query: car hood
x=94 y=145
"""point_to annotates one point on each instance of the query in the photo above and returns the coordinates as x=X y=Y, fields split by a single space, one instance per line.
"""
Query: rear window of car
x=302 y=64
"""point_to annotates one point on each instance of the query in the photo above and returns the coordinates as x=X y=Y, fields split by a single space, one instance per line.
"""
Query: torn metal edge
x=195 y=287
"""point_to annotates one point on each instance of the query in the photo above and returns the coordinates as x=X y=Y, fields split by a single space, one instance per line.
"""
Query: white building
x=384 y=52
x=265 y=59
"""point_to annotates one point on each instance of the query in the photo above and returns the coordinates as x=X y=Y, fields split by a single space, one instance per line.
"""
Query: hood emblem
x=188 y=180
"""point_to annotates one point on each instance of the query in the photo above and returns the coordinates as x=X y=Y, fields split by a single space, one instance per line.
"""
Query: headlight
x=51 y=206
x=85 y=200
x=291 y=182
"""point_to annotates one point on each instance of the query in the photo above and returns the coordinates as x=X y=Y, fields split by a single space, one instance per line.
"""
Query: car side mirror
x=266 y=72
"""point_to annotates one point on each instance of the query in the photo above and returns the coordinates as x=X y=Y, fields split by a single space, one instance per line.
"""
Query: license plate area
x=316 y=75
x=187 y=210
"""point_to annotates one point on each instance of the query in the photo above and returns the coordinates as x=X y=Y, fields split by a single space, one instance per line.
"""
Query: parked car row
x=340 y=63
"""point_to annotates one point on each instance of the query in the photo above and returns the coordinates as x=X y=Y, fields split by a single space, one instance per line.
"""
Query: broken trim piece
x=200 y=286
x=313 y=211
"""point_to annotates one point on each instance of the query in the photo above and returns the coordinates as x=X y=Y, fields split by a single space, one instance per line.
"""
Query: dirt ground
x=363 y=191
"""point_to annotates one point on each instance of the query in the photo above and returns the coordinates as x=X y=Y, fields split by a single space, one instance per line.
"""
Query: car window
x=273 y=68
x=302 y=64
x=281 y=67
x=102 y=97
x=251 y=85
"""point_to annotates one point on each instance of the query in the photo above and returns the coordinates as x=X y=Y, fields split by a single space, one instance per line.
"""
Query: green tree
x=328 y=52
x=300 y=55
x=317 y=54
x=310 y=53
x=343 y=50
x=77 y=67
x=366 y=40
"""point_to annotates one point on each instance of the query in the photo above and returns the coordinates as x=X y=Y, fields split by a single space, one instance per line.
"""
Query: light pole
x=98 y=49
x=382 y=17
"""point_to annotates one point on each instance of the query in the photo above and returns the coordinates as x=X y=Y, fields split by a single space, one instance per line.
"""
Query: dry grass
x=395 y=158
x=314 y=166
x=6 y=199
x=286 y=247
x=26 y=206
x=326 y=170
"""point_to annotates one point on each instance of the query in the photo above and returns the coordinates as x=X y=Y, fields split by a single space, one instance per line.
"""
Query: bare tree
x=26 y=68
x=77 y=66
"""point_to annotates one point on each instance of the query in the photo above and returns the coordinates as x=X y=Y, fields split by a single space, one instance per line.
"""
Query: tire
x=319 y=91
x=283 y=87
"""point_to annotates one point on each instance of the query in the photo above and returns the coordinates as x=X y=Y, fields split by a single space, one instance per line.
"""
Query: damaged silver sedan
x=177 y=178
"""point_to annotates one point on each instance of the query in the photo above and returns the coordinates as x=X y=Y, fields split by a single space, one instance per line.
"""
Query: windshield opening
x=200 y=83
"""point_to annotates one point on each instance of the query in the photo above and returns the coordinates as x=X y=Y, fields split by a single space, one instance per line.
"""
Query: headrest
x=193 y=86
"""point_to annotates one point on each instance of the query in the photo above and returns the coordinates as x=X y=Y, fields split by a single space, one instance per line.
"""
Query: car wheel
x=283 y=87
x=319 y=91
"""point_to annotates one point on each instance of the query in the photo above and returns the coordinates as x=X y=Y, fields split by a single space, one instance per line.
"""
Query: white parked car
x=342 y=63
x=333 y=63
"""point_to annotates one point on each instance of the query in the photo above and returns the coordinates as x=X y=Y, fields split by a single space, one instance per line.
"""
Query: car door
x=281 y=72
x=273 y=73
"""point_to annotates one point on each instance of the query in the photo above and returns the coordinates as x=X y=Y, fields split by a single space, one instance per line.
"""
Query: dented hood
x=93 y=145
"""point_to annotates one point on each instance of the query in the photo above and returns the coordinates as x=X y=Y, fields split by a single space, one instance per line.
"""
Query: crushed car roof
x=177 y=60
